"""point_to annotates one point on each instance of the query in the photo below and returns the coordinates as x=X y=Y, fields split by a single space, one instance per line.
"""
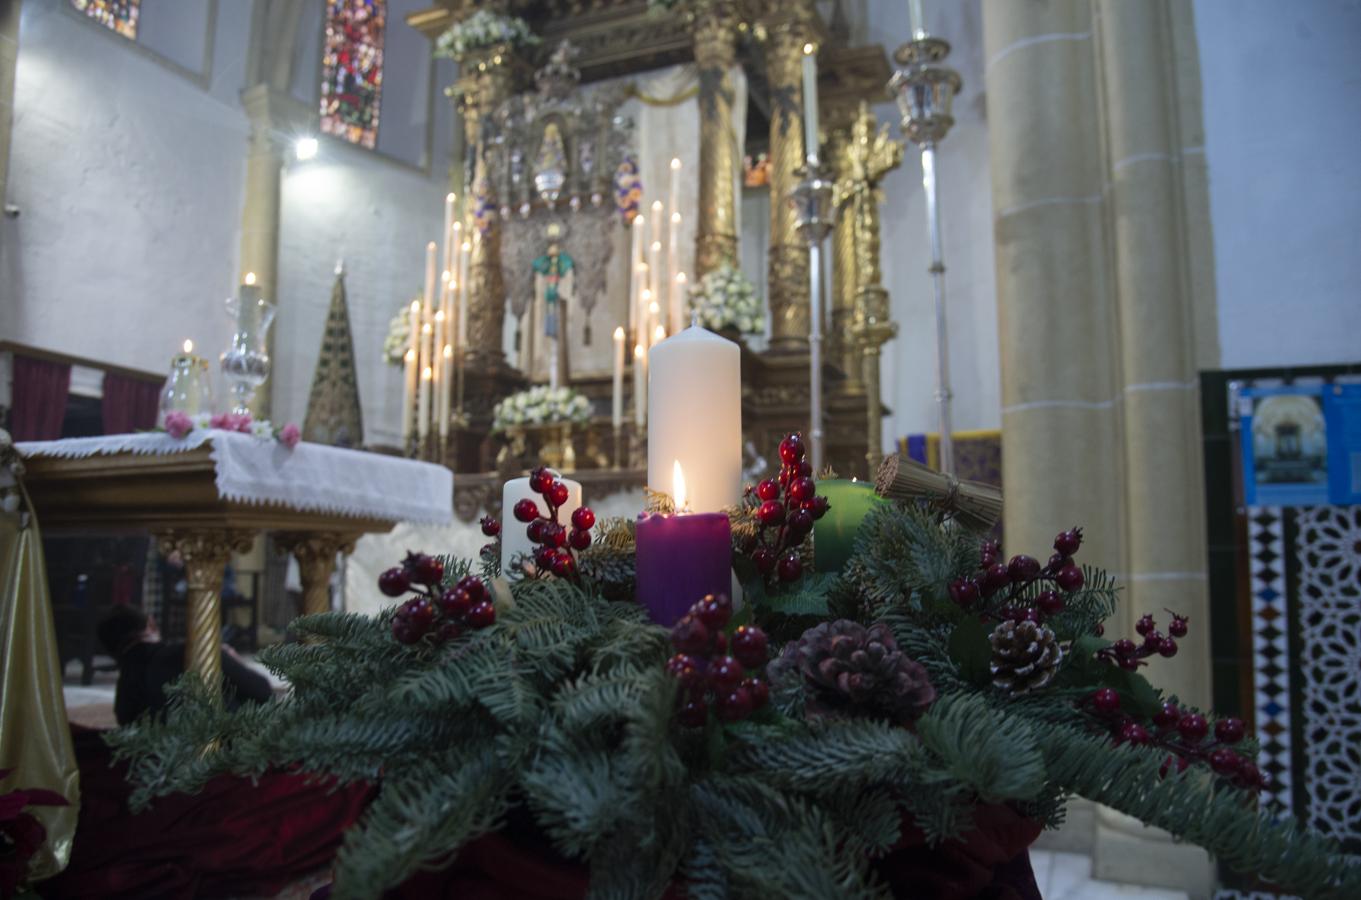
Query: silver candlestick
x=925 y=91
x=811 y=200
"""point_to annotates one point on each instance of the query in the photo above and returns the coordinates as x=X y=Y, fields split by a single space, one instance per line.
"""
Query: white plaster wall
x=129 y=179
x=1282 y=108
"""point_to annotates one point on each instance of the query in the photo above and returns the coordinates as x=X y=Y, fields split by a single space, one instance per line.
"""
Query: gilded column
x=714 y=27
x=316 y=555
x=841 y=348
x=788 y=28
x=487 y=82
x=873 y=154
x=205 y=554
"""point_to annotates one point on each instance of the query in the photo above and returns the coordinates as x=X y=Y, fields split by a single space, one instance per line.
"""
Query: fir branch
x=992 y=752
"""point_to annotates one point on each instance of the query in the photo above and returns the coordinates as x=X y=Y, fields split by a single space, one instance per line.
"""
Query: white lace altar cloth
x=310 y=477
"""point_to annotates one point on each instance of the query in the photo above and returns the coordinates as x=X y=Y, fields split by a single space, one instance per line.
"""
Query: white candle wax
x=673 y=309
x=408 y=394
x=423 y=416
x=447 y=235
x=429 y=295
x=695 y=392
x=437 y=373
x=673 y=199
x=635 y=257
x=682 y=289
x=514 y=541
x=810 y=101
x=446 y=384
x=639 y=385
x=617 y=398
x=656 y=277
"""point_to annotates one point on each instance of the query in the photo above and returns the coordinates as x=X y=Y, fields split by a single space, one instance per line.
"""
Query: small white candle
x=695 y=392
x=408 y=395
x=423 y=417
x=514 y=540
x=617 y=399
x=810 y=100
x=639 y=385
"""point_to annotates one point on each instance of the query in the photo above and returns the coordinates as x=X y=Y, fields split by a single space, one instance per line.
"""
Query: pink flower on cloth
x=289 y=435
x=178 y=424
x=231 y=422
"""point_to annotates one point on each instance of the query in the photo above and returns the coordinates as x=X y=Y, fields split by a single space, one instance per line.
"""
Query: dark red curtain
x=129 y=404
x=39 y=403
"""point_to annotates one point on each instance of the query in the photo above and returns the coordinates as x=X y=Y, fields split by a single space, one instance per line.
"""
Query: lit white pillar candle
x=673 y=307
x=695 y=392
x=617 y=398
x=514 y=541
x=810 y=100
x=639 y=385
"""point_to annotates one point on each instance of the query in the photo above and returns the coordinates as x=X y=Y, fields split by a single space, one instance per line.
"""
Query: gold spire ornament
x=334 y=415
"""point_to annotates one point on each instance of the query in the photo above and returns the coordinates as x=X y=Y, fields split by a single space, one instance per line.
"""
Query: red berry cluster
x=554 y=540
x=1186 y=734
x=1130 y=656
x=1061 y=576
x=789 y=505
x=713 y=669
x=444 y=614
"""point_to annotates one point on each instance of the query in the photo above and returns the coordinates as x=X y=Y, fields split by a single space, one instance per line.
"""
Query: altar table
x=208 y=494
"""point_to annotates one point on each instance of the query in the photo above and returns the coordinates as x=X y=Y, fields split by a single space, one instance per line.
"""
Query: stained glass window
x=116 y=15
x=352 y=69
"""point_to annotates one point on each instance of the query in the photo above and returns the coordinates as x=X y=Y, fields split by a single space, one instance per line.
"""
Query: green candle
x=834 y=533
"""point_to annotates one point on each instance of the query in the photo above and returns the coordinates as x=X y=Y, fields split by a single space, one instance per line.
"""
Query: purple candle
x=680 y=559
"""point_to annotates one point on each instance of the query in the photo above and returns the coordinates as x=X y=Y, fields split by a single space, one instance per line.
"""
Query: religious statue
x=544 y=352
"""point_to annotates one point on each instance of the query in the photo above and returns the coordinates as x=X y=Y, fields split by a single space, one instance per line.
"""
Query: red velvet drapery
x=129 y=404
x=39 y=399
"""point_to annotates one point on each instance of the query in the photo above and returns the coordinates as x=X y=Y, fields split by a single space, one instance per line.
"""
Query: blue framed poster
x=1301 y=444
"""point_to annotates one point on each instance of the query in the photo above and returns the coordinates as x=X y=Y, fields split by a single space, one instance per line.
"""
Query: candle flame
x=439 y=315
x=449 y=197
x=415 y=306
x=808 y=49
x=680 y=278
x=678 y=486
x=250 y=278
x=427 y=373
x=619 y=333
x=446 y=276
x=430 y=247
x=646 y=295
x=448 y=351
x=467 y=246
x=426 y=329
x=188 y=346
x=458 y=226
x=637 y=351
x=675 y=218
x=638 y=221
x=658 y=335
x=410 y=356
x=656 y=206
x=675 y=163
x=653 y=308
x=656 y=246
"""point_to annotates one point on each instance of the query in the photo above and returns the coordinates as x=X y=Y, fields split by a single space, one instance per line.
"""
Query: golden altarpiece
x=504 y=92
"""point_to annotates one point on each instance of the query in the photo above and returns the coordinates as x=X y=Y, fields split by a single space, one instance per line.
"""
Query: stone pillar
x=1098 y=331
x=205 y=553
x=714 y=27
x=788 y=27
x=9 y=57
x=488 y=79
x=260 y=212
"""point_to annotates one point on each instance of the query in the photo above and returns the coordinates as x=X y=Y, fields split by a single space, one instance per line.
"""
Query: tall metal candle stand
x=811 y=199
x=925 y=91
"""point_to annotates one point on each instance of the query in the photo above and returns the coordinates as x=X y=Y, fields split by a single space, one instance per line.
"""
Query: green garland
x=563 y=708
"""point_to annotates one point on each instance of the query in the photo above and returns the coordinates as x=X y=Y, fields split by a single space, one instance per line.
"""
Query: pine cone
x=849 y=670
x=1025 y=656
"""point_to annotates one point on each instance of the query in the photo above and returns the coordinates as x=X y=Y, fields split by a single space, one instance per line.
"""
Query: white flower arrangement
x=398 y=337
x=725 y=298
x=484 y=28
x=541 y=405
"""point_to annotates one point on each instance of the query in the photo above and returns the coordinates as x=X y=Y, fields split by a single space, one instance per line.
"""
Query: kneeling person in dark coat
x=146 y=666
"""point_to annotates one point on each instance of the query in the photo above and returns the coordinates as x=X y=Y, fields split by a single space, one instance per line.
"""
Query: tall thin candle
x=617 y=398
x=810 y=100
x=639 y=385
x=673 y=307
